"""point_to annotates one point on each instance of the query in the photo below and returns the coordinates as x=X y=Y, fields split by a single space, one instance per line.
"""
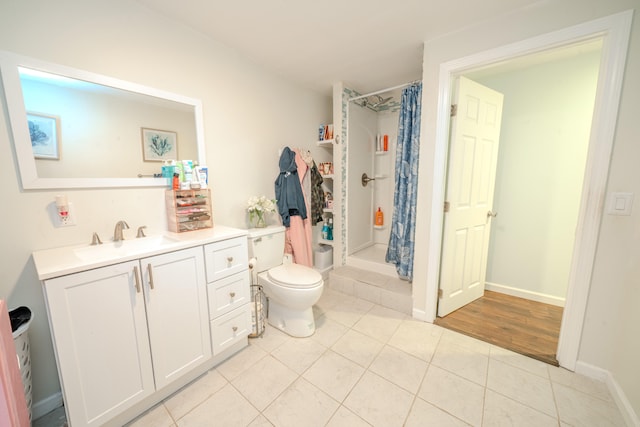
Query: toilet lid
x=295 y=276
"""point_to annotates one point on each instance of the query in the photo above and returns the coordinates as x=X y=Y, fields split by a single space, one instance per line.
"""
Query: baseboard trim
x=619 y=397
x=46 y=405
x=420 y=315
x=523 y=293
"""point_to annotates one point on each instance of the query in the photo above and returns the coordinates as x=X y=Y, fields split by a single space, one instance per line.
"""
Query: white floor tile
x=349 y=310
x=379 y=323
x=264 y=381
x=158 y=416
x=328 y=331
x=241 y=361
x=334 y=374
x=270 y=340
x=522 y=386
x=581 y=383
x=457 y=396
x=417 y=338
x=425 y=414
x=501 y=411
x=519 y=361
x=358 y=347
x=299 y=354
x=400 y=368
x=345 y=418
x=379 y=402
x=227 y=407
x=584 y=410
x=194 y=394
x=301 y=404
x=461 y=361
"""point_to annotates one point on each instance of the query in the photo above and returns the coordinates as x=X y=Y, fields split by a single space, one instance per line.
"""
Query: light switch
x=620 y=204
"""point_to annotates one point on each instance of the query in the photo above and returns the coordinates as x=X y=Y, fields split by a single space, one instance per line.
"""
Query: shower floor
x=371 y=258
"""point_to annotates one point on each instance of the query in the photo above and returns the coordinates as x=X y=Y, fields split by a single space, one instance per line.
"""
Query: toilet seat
x=295 y=276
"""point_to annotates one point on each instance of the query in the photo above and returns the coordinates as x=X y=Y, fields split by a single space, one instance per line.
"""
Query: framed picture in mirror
x=44 y=130
x=159 y=145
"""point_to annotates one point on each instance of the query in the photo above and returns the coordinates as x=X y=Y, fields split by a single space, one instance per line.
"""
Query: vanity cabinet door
x=99 y=330
x=176 y=299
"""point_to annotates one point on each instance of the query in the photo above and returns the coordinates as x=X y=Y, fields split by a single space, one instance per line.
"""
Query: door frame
x=614 y=30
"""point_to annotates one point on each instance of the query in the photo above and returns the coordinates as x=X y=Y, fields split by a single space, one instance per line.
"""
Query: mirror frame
x=19 y=129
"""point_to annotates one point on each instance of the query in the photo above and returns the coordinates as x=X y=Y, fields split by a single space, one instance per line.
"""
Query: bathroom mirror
x=75 y=129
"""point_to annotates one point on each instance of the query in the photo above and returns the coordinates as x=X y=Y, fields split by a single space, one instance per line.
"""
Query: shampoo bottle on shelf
x=330 y=230
x=325 y=231
x=379 y=220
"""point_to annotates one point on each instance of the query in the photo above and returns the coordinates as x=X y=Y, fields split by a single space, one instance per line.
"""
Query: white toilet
x=292 y=289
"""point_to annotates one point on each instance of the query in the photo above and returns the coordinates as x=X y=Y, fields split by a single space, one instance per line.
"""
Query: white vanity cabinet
x=228 y=287
x=123 y=331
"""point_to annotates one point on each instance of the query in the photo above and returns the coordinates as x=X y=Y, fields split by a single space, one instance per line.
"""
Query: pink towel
x=298 y=235
x=13 y=404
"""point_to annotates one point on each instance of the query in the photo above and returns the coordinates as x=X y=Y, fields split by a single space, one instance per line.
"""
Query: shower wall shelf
x=379 y=227
x=329 y=176
x=382 y=153
x=327 y=210
x=325 y=242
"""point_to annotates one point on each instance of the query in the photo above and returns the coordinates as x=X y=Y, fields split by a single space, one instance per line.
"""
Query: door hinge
x=454 y=110
x=439 y=293
x=446 y=207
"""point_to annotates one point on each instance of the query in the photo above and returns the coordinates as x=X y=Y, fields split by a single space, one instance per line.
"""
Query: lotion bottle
x=379 y=219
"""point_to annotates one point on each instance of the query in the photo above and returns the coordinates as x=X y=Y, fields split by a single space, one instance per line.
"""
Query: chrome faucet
x=117 y=233
x=95 y=240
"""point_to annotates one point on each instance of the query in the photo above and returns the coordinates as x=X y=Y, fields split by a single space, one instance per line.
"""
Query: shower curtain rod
x=383 y=90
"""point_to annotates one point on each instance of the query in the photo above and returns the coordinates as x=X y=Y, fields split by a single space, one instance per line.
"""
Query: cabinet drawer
x=230 y=328
x=226 y=258
x=228 y=294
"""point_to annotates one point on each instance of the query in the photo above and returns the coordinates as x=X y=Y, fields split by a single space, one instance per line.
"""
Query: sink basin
x=123 y=248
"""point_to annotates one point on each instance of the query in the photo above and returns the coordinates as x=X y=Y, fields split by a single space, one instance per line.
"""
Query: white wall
x=546 y=124
x=385 y=165
x=248 y=114
x=612 y=322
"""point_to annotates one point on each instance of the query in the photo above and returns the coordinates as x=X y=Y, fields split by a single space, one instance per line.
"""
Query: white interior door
x=473 y=157
x=360 y=151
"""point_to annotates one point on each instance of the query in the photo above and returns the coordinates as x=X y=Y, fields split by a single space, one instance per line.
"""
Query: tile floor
x=368 y=365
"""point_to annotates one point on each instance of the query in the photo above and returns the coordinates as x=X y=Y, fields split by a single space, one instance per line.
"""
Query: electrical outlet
x=60 y=221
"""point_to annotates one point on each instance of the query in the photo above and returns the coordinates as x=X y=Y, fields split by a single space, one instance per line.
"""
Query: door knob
x=491 y=214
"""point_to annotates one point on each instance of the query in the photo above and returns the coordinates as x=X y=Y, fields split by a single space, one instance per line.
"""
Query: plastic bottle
x=386 y=143
x=379 y=220
x=325 y=231
x=330 y=232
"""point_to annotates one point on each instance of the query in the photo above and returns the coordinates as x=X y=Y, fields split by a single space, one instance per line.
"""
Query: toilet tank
x=266 y=245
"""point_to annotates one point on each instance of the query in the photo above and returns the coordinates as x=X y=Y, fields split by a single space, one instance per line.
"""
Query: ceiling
x=367 y=44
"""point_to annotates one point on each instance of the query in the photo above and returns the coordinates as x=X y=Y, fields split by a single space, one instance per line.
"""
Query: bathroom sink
x=123 y=248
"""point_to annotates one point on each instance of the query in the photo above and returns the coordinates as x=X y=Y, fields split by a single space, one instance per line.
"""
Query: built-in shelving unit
x=326 y=143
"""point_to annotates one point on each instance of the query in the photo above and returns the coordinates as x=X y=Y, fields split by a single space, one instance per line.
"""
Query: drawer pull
x=229 y=259
x=235 y=328
x=232 y=294
x=135 y=274
x=150 y=270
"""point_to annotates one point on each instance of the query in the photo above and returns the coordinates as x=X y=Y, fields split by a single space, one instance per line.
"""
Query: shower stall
x=370 y=178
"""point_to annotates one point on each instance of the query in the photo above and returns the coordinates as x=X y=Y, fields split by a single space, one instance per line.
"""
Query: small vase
x=257 y=220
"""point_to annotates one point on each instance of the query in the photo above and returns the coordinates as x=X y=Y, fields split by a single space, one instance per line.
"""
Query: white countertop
x=64 y=260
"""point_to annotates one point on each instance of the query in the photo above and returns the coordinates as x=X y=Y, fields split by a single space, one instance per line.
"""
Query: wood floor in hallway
x=517 y=324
